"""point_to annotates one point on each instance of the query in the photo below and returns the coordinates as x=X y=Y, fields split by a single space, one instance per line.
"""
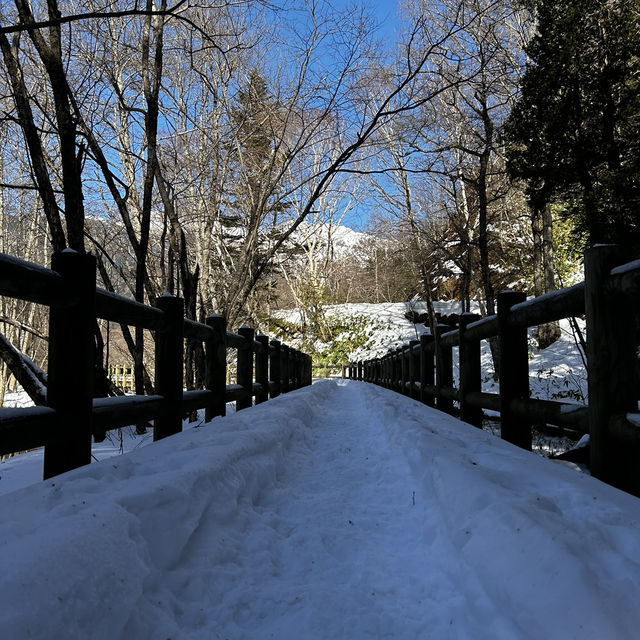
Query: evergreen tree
x=574 y=134
x=252 y=115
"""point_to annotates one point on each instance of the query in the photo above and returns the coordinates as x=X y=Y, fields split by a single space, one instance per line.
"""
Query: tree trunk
x=543 y=265
x=483 y=230
x=24 y=371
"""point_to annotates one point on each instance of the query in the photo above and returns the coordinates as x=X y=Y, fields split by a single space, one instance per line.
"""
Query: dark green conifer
x=574 y=134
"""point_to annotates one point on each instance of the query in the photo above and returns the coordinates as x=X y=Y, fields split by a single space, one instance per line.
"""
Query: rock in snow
x=337 y=511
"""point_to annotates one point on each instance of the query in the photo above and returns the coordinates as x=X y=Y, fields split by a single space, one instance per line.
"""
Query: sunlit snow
x=341 y=510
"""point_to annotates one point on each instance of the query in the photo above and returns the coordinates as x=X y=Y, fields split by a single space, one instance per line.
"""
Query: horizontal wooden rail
x=197 y=331
x=482 y=329
x=625 y=278
x=550 y=307
x=32 y=283
x=121 y=411
x=562 y=414
x=609 y=299
x=27 y=428
x=116 y=308
x=235 y=340
x=65 y=428
x=484 y=400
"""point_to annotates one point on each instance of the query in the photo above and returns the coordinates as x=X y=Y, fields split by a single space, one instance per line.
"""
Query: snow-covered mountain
x=337 y=240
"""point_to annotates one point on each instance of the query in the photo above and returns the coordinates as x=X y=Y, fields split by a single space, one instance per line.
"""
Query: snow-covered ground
x=555 y=373
x=341 y=510
x=24 y=469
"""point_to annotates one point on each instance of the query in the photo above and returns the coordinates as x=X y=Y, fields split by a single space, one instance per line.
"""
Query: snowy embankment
x=342 y=510
x=555 y=373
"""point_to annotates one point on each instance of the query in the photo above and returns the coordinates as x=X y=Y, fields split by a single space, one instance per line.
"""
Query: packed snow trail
x=340 y=511
x=343 y=525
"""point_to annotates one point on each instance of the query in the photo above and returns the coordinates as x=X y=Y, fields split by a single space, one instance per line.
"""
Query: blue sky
x=385 y=11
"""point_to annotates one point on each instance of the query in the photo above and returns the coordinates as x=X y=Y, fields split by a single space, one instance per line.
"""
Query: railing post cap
x=166 y=296
x=508 y=298
x=512 y=292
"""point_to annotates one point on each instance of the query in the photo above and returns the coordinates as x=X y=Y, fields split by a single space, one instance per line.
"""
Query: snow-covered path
x=338 y=511
x=342 y=527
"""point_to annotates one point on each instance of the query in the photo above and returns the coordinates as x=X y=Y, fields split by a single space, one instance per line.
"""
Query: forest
x=216 y=149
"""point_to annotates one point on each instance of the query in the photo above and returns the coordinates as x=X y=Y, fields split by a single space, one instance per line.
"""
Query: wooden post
x=169 y=367
x=262 y=368
x=292 y=368
x=71 y=357
x=414 y=368
x=309 y=378
x=427 y=360
x=514 y=371
x=216 y=367
x=284 y=370
x=274 y=369
x=404 y=370
x=300 y=368
x=245 y=368
x=611 y=352
x=470 y=372
x=444 y=372
x=297 y=370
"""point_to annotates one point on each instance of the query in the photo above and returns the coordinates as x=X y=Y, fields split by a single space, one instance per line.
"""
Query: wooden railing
x=72 y=416
x=609 y=299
